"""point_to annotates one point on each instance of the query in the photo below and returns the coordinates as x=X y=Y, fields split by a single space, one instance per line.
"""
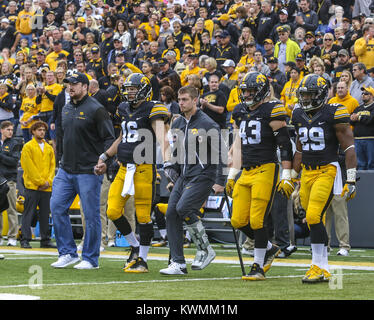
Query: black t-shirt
x=7 y=37
x=216 y=98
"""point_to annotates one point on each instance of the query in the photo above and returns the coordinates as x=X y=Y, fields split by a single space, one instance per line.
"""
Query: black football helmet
x=143 y=85
x=258 y=86
x=312 y=92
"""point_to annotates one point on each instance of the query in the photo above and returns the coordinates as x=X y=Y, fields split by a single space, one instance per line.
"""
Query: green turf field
x=28 y=272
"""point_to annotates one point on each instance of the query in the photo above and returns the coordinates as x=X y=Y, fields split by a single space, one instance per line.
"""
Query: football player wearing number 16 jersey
x=262 y=127
x=142 y=122
x=320 y=129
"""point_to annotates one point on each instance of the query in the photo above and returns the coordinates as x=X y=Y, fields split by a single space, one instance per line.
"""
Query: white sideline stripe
x=11 y=296
x=148 y=281
x=221 y=261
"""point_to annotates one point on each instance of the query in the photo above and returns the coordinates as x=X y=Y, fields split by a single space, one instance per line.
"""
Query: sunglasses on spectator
x=365 y=93
x=328 y=39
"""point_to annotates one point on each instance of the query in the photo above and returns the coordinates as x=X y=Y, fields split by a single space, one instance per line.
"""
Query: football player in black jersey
x=143 y=122
x=262 y=127
x=320 y=129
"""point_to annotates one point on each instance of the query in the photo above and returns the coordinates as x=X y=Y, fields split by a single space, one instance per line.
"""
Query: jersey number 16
x=129 y=132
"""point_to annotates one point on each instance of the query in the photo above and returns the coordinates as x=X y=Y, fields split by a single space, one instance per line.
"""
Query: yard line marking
x=153 y=281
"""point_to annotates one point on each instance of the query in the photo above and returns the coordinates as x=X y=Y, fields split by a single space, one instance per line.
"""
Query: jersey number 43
x=254 y=133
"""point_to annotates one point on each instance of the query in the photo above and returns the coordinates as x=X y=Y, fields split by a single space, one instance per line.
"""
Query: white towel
x=338 y=182
x=128 y=185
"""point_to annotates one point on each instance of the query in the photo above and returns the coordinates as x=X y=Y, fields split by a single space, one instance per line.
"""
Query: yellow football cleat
x=256 y=273
x=326 y=275
x=313 y=275
x=140 y=266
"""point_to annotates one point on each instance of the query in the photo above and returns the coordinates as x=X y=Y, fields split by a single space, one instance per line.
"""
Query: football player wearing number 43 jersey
x=262 y=127
x=143 y=122
x=320 y=129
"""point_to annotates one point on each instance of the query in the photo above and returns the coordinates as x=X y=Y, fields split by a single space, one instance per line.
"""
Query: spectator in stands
x=259 y=65
x=361 y=80
x=342 y=63
x=276 y=77
x=10 y=152
x=213 y=103
x=169 y=99
x=226 y=50
x=286 y=49
x=288 y=94
x=283 y=20
x=300 y=63
x=343 y=97
x=267 y=19
x=363 y=129
x=24 y=21
x=364 y=47
x=38 y=173
x=306 y=18
x=28 y=112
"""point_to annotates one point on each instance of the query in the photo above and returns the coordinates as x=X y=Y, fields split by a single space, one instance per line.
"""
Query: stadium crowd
x=209 y=45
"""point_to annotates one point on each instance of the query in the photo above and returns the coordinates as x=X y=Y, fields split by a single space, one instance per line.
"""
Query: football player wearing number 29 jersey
x=320 y=129
x=262 y=128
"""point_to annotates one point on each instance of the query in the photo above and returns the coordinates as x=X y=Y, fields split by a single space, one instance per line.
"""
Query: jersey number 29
x=312 y=139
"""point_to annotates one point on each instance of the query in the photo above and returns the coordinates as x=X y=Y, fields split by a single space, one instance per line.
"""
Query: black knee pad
x=146 y=233
x=318 y=233
x=261 y=238
x=122 y=225
x=248 y=231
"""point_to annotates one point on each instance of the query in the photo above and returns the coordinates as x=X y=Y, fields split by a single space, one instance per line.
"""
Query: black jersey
x=317 y=134
x=258 y=143
x=136 y=124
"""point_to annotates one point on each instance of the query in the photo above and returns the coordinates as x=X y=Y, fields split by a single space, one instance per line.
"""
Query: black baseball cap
x=76 y=78
x=272 y=60
x=300 y=56
x=162 y=62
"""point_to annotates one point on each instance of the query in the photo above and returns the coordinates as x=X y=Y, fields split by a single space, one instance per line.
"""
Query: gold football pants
x=144 y=181
x=316 y=191
x=253 y=196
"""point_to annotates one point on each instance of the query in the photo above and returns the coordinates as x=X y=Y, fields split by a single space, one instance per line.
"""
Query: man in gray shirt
x=361 y=80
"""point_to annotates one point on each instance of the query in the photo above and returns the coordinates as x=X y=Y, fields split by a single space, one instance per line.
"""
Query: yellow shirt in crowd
x=29 y=108
x=47 y=104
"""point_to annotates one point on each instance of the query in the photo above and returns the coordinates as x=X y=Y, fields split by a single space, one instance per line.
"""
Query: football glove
x=349 y=189
x=233 y=172
x=230 y=186
x=170 y=172
x=286 y=186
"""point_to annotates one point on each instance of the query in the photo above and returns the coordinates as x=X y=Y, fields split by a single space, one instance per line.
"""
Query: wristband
x=294 y=174
x=351 y=175
x=233 y=172
x=104 y=156
x=286 y=174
